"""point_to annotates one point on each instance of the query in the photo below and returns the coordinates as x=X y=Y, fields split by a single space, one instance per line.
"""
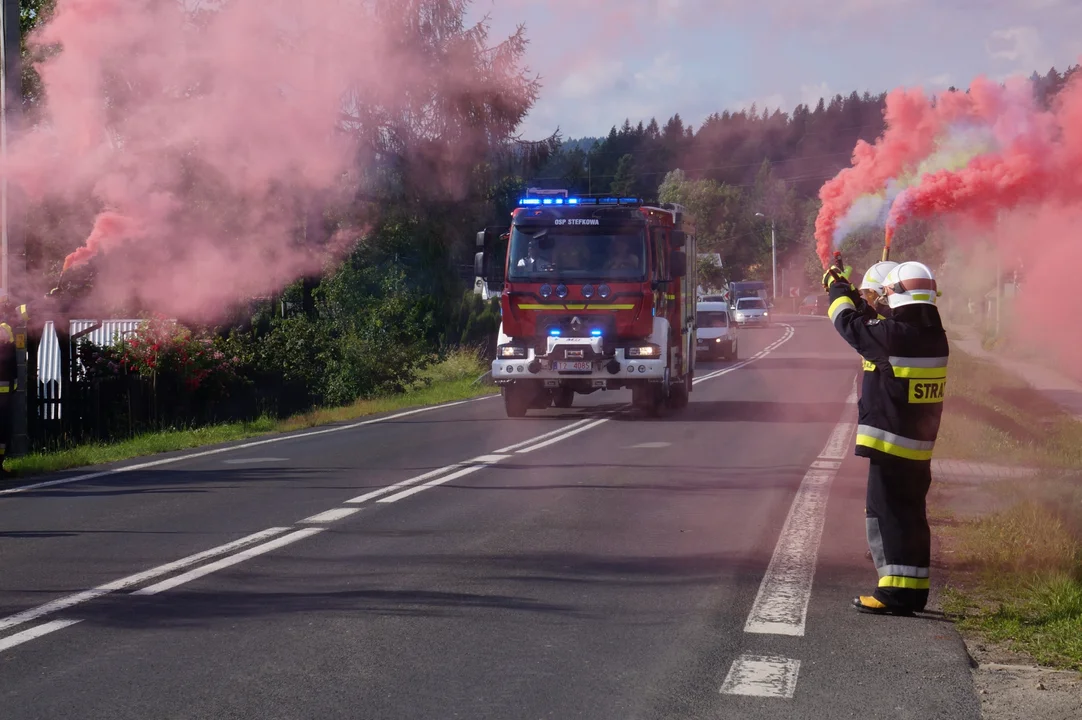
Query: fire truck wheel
x=516 y=400
x=563 y=398
x=679 y=394
x=651 y=400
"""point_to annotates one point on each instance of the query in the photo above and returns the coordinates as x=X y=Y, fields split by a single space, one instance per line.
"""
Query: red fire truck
x=595 y=294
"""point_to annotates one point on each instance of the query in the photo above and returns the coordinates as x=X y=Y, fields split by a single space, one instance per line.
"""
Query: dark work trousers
x=898 y=533
x=5 y=423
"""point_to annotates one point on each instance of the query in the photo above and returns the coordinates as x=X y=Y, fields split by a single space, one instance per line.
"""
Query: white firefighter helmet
x=873 y=279
x=911 y=283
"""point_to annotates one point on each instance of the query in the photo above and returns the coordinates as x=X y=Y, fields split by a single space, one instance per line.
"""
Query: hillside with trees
x=738 y=164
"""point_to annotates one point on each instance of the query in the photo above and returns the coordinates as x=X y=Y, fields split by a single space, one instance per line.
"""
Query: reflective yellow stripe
x=4 y=390
x=671 y=297
x=869 y=366
x=919 y=372
x=22 y=312
x=6 y=330
x=892 y=444
x=892 y=449
x=838 y=305
x=897 y=581
x=906 y=570
x=927 y=391
x=910 y=367
x=599 y=306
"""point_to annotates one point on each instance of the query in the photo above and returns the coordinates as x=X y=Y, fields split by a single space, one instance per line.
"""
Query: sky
x=601 y=61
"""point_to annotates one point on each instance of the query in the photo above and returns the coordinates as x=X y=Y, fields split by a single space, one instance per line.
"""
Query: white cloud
x=938 y=82
x=591 y=79
x=810 y=95
x=664 y=73
x=1021 y=46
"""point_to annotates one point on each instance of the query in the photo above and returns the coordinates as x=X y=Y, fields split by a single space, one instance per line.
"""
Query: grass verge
x=452 y=379
x=991 y=415
x=1017 y=581
x=1015 y=567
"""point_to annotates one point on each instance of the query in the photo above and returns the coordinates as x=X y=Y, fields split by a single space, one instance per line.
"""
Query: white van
x=715 y=331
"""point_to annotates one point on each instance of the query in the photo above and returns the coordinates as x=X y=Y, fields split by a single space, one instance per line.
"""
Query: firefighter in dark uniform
x=901 y=403
x=11 y=319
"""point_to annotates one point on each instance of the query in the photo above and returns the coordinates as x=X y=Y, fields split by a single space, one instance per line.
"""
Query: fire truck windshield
x=577 y=254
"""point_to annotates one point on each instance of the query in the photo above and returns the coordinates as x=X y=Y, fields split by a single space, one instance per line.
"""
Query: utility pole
x=773 y=258
x=10 y=242
x=999 y=292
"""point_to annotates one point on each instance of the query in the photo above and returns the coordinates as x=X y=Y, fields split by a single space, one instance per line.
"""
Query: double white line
x=250 y=546
x=757 y=356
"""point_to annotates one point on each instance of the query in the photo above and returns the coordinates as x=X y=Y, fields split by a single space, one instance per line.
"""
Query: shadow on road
x=747 y=411
x=851 y=362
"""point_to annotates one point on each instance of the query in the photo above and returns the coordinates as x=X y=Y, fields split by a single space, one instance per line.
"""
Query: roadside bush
x=474 y=323
x=162 y=375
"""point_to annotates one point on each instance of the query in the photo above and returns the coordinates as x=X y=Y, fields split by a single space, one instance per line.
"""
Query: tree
x=623 y=182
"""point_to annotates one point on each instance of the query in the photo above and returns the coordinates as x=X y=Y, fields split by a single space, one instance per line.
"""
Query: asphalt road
x=583 y=563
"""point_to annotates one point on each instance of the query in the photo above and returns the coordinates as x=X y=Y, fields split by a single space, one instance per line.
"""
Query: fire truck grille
x=577 y=325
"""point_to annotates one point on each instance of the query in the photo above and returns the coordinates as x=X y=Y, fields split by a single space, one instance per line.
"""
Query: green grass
x=1015 y=573
x=455 y=378
x=991 y=415
x=1017 y=581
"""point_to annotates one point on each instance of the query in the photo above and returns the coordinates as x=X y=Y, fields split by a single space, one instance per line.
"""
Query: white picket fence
x=50 y=383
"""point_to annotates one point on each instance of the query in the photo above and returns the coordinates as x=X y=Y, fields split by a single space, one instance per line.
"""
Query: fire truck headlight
x=587 y=291
x=644 y=351
x=561 y=290
x=546 y=290
x=604 y=290
x=512 y=351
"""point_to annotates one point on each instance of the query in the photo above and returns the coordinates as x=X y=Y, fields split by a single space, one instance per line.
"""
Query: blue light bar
x=595 y=333
x=554 y=332
x=612 y=200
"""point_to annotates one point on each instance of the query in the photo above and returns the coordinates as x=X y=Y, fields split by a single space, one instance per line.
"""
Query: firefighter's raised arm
x=867 y=337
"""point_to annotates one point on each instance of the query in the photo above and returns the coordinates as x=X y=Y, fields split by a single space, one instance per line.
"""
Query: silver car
x=751 y=311
x=715 y=334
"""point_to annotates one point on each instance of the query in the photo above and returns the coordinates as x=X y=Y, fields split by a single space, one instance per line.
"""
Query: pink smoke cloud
x=205 y=138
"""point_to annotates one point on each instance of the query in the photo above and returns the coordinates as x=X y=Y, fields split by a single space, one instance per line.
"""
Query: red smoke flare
x=110 y=228
x=910 y=135
x=1017 y=173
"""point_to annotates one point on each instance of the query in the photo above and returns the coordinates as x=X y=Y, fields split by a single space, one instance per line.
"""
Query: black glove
x=841 y=288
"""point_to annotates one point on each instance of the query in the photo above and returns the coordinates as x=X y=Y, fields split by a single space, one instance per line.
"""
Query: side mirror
x=479 y=264
x=678 y=264
x=679 y=238
x=481 y=236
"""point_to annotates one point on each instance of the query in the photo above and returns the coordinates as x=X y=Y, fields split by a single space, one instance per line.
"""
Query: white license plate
x=575 y=366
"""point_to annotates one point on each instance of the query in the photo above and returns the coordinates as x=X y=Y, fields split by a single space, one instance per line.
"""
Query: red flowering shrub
x=161 y=349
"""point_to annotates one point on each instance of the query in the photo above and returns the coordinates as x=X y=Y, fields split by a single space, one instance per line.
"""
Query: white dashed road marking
x=782 y=603
x=762 y=676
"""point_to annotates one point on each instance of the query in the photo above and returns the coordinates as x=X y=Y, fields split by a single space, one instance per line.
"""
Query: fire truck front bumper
x=624 y=365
